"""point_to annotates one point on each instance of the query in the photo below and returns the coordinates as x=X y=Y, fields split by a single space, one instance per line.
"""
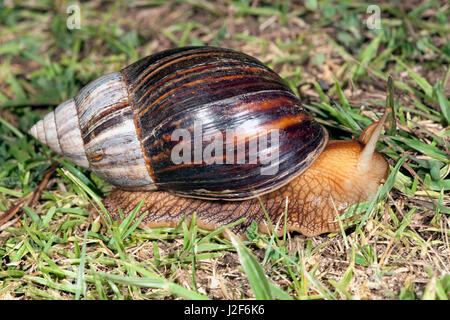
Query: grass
x=397 y=248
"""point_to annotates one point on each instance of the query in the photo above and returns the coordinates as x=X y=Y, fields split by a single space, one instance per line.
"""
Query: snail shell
x=120 y=125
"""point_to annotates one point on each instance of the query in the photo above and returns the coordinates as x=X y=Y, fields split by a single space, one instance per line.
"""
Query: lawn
x=336 y=56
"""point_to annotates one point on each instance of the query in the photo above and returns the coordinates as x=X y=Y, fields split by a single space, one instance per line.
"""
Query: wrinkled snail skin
x=120 y=125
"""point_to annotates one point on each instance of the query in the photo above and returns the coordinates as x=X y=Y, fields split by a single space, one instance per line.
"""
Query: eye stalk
x=369 y=138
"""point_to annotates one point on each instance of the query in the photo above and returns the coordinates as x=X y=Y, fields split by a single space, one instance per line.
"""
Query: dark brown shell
x=221 y=89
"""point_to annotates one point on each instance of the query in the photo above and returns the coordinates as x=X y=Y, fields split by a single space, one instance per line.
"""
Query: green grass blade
x=391 y=124
x=427 y=149
x=255 y=273
x=154 y=283
x=444 y=103
x=81 y=283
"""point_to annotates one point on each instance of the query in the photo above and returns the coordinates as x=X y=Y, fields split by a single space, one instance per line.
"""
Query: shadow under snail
x=216 y=132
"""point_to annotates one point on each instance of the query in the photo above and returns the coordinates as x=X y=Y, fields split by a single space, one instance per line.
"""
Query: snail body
x=212 y=131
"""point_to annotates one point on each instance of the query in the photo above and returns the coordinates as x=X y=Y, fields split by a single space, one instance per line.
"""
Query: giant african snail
x=223 y=106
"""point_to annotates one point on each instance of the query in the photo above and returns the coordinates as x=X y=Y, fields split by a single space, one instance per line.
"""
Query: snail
x=215 y=132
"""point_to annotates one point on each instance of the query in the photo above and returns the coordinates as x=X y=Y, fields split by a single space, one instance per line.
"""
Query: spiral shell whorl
x=228 y=93
x=109 y=133
x=60 y=131
x=51 y=135
x=96 y=130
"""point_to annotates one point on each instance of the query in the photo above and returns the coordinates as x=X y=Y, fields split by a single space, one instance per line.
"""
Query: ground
x=337 y=65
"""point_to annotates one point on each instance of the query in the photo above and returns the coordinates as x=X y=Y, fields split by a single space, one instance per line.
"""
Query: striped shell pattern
x=120 y=125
